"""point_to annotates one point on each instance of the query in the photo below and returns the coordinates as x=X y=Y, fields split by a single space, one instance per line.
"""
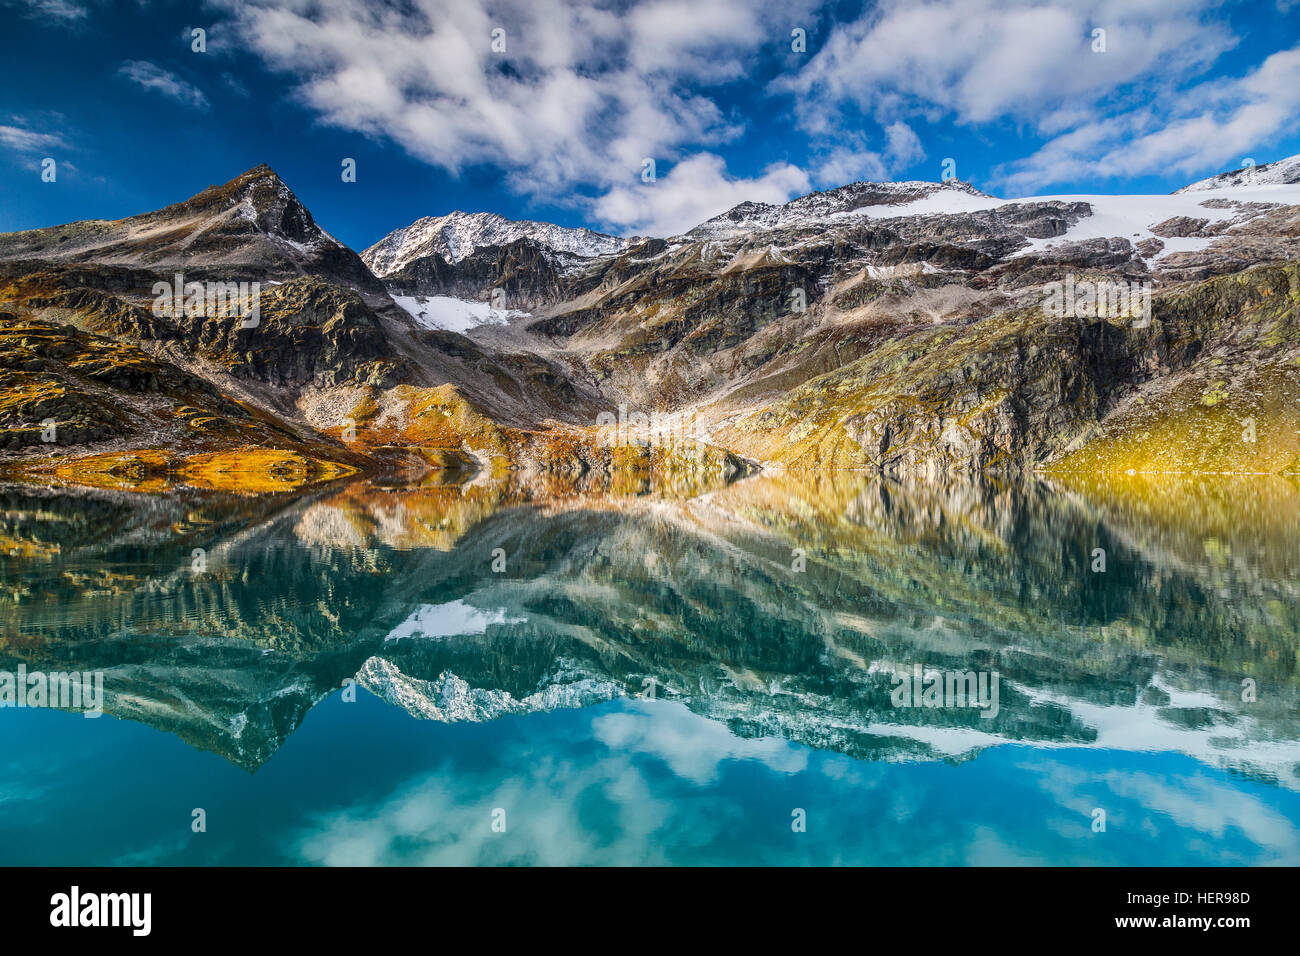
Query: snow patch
x=452 y=314
x=1131 y=217
x=449 y=620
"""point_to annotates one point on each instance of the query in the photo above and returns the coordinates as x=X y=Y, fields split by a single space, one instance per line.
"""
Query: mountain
x=457 y=235
x=901 y=328
x=1282 y=172
x=821 y=207
x=100 y=383
x=527 y=273
x=251 y=227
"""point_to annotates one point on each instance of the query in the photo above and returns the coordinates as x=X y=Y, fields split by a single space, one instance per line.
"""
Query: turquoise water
x=652 y=682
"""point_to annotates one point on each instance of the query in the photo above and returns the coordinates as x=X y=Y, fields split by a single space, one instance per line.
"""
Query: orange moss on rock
x=157 y=470
x=147 y=470
x=258 y=470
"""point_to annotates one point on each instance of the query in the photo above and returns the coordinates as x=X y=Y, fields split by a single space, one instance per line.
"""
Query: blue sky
x=559 y=124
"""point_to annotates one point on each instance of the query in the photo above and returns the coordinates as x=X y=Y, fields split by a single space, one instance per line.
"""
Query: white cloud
x=60 y=11
x=904 y=146
x=150 y=76
x=1204 y=128
x=580 y=96
x=552 y=788
x=29 y=141
x=692 y=191
x=851 y=160
x=1124 y=112
x=693 y=746
x=846 y=165
x=983 y=60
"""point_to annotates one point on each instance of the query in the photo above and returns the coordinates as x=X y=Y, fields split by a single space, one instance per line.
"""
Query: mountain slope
x=326 y=341
x=896 y=327
x=1284 y=171
x=845 y=200
x=458 y=234
x=252 y=227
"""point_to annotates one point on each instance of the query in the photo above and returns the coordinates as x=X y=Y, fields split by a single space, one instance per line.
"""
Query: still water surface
x=631 y=680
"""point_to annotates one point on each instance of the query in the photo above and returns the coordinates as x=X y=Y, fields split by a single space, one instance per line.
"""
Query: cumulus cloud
x=982 y=60
x=850 y=158
x=843 y=164
x=569 y=109
x=150 y=76
x=554 y=787
x=692 y=191
x=694 y=747
x=1044 y=67
x=572 y=97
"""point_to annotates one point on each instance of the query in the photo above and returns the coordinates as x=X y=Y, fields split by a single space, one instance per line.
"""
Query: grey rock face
x=458 y=235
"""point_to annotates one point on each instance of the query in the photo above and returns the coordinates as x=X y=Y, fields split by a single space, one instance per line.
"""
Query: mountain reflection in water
x=694 y=602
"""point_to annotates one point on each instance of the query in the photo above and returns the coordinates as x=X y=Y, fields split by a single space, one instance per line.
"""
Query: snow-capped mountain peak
x=457 y=234
x=819 y=206
x=1279 y=173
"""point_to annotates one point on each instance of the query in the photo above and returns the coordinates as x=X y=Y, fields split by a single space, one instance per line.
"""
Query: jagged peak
x=263 y=199
x=261 y=174
x=458 y=234
x=252 y=220
x=1277 y=173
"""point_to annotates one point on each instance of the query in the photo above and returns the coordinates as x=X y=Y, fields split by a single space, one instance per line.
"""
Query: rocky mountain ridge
x=251 y=227
x=903 y=328
x=819 y=206
x=459 y=234
x=1282 y=172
